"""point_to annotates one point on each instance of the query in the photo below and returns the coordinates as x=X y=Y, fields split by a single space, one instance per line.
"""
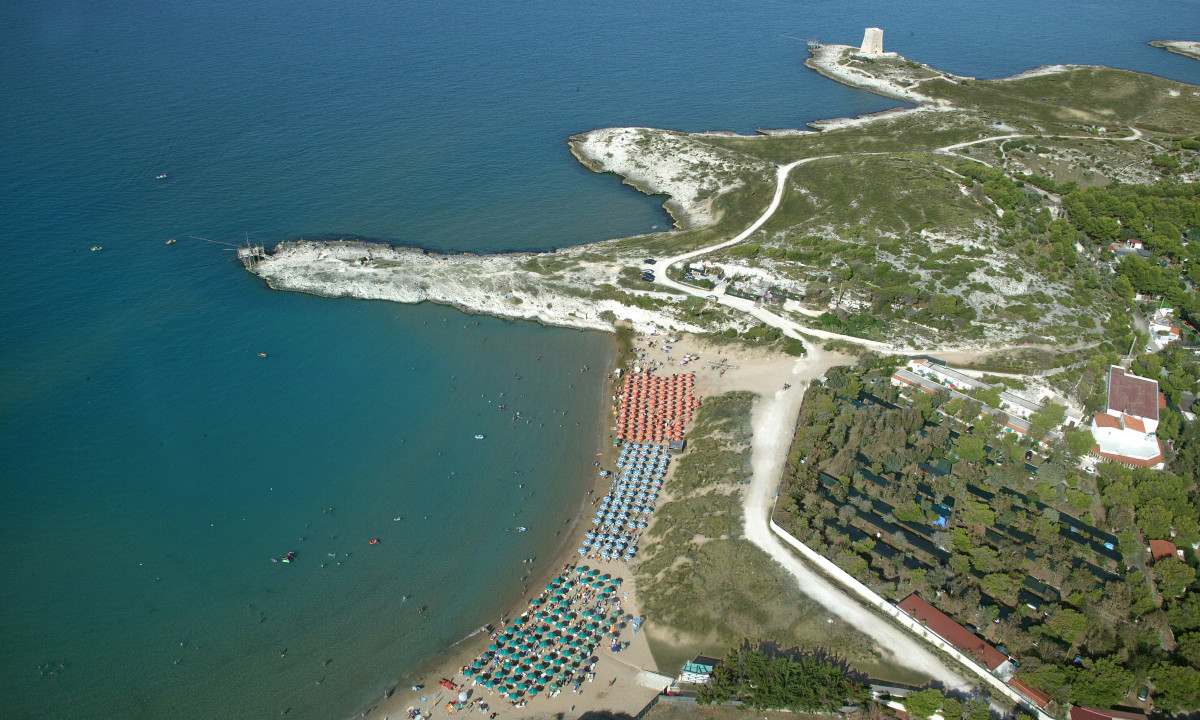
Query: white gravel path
x=773 y=421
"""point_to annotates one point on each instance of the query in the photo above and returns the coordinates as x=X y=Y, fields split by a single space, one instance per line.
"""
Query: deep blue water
x=151 y=463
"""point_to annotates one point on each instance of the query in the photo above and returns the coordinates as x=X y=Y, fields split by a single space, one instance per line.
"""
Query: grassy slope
x=706 y=588
x=904 y=189
x=1093 y=95
x=886 y=185
x=891 y=193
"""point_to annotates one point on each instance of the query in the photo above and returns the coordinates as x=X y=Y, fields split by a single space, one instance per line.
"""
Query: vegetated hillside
x=931 y=248
x=919 y=494
x=993 y=239
x=705 y=585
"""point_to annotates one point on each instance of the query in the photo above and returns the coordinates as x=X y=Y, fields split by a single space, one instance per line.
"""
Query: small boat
x=479 y=437
x=521 y=528
x=171 y=241
x=161 y=177
x=373 y=541
x=448 y=685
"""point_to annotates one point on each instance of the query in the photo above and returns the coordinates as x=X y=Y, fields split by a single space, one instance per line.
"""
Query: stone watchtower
x=872 y=43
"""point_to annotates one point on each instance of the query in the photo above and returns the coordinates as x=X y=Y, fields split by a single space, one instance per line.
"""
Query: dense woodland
x=1048 y=562
x=1165 y=218
x=773 y=679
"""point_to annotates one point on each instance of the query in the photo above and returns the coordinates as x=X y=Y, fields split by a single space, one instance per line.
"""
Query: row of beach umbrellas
x=546 y=646
x=653 y=408
x=625 y=510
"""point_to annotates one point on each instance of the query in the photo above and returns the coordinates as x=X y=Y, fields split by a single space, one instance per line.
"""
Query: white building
x=872 y=43
x=947 y=376
x=1163 y=331
x=1125 y=431
x=1014 y=404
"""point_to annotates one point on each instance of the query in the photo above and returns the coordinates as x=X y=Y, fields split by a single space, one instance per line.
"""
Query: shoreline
x=1187 y=48
x=497 y=285
x=681 y=168
x=447 y=662
x=494 y=285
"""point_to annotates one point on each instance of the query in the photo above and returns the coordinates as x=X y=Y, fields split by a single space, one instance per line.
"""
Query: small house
x=699 y=670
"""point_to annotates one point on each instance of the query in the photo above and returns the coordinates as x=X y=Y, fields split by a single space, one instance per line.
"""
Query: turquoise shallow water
x=151 y=463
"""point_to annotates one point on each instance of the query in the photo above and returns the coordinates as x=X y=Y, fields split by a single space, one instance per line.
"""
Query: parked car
x=649 y=261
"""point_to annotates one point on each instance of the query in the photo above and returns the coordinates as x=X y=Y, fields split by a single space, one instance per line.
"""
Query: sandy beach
x=614 y=688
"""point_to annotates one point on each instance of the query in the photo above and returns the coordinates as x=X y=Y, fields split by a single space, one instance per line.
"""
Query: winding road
x=774 y=420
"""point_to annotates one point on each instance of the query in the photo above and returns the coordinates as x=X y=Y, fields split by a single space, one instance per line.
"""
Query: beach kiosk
x=699 y=670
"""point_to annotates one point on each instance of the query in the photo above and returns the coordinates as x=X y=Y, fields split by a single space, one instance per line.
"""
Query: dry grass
x=705 y=588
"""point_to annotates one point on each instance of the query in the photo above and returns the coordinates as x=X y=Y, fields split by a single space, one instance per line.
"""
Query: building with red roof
x=1160 y=549
x=1133 y=396
x=1091 y=713
x=940 y=624
x=1035 y=696
x=1125 y=431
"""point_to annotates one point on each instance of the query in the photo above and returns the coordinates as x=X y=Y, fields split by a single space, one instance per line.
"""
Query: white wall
x=903 y=619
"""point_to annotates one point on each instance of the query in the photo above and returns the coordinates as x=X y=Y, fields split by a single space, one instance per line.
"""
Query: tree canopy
x=801 y=682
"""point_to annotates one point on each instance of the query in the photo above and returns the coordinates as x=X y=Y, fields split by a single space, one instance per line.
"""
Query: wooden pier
x=251 y=254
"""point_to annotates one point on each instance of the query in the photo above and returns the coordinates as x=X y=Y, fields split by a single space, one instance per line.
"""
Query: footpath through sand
x=774 y=420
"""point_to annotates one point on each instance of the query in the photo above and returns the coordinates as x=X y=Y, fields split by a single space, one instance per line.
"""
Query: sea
x=170 y=428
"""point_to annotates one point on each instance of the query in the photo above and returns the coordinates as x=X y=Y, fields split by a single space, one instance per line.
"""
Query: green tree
x=978 y=710
x=951 y=408
x=1050 y=416
x=924 y=703
x=951 y=709
x=1174 y=576
x=1079 y=441
x=1067 y=624
x=1124 y=288
x=977 y=513
x=999 y=586
x=1187 y=646
x=1184 y=614
x=793 y=681
x=969 y=449
x=989 y=397
x=1155 y=520
x=1176 y=687
x=985 y=559
x=1102 y=682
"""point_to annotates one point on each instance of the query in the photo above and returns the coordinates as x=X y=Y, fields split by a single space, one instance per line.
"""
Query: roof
x=916 y=380
x=1106 y=420
x=1018 y=401
x=1018 y=424
x=1132 y=423
x=953 y=375
x=701 y=664
x=1038 y=697
x=1132 y=395
x=1160 y=549
x=1131 y=448
x=1129 y=460
x=1091 y=713
x=653 y=680
x=952 y=632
